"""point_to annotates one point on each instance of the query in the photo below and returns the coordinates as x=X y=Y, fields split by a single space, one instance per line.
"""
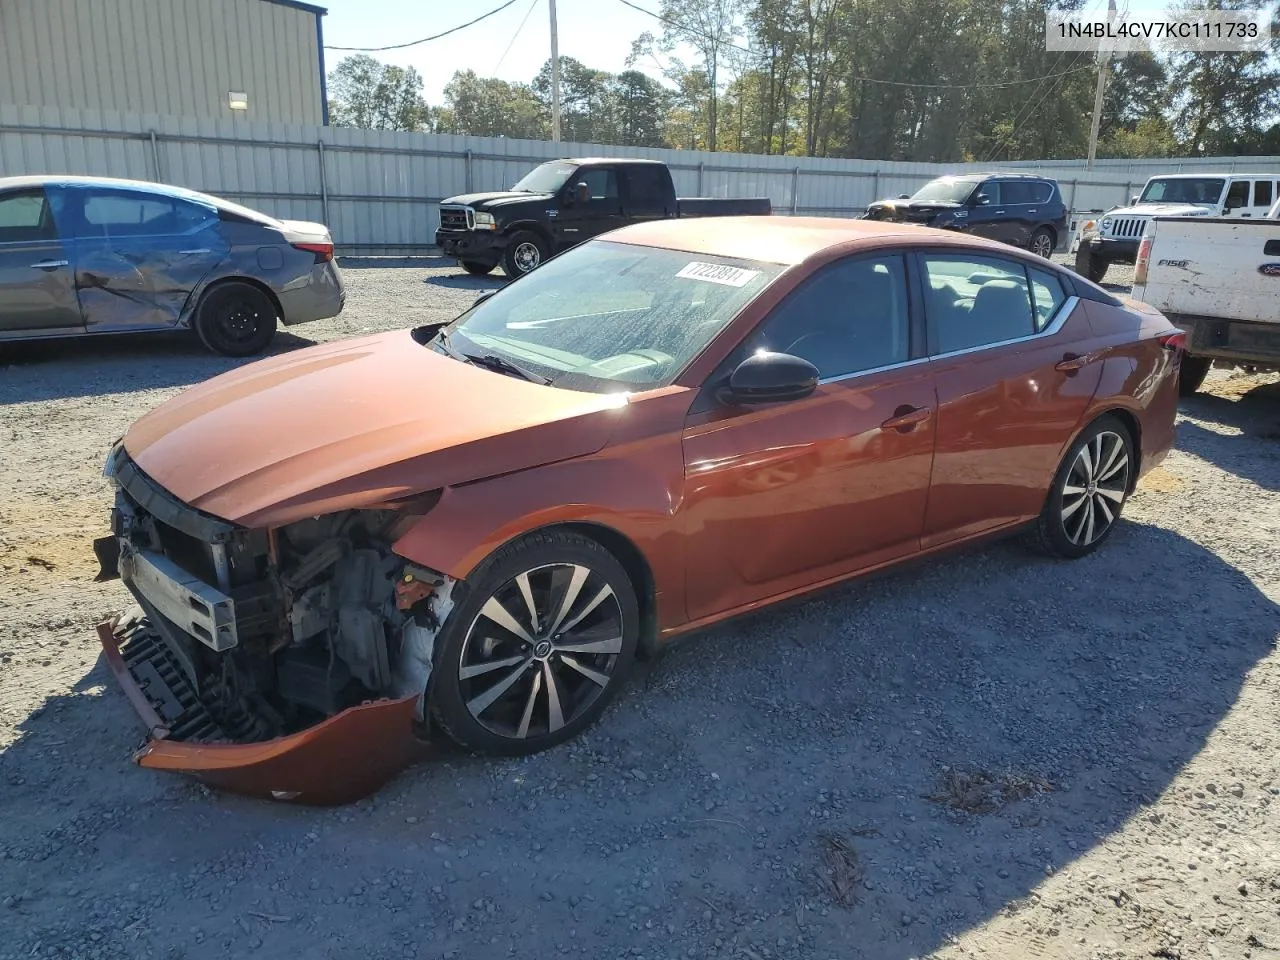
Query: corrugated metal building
x=260 y=60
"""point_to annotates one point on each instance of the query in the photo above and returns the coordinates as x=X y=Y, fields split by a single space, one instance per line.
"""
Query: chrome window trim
x=1055 y=326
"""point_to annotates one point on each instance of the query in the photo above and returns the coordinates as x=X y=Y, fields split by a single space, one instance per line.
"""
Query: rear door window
x=973 y=302
x=646 y=187
x=1262 y=193
x=1238 y=194
x=25 y=217
x=126 y=213
x=1016 y=191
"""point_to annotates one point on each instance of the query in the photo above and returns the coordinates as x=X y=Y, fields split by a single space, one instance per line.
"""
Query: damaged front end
x=290 y=663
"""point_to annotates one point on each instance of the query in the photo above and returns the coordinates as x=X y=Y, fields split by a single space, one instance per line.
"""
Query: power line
x=514 y=36
x=437 y=36
x=887 y=83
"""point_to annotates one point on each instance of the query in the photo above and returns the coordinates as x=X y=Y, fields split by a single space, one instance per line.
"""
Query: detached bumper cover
x=337 y=761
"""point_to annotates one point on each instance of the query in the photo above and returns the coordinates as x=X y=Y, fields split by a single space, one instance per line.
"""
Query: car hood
x=1160 y=210
x=490 y=201
x=906 y=210
x=356 y=423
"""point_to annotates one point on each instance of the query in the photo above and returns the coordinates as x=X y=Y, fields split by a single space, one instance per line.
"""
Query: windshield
x=546 y=178
x=944 y=190
x=607 y=315
x=1183 y=190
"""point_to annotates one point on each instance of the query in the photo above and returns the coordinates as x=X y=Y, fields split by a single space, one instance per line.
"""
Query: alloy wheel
x=541 y=651
x=1042 y=245
x=527 y=256
x=1095 y=488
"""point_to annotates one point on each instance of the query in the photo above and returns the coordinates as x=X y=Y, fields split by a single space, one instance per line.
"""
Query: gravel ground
x=991 y=755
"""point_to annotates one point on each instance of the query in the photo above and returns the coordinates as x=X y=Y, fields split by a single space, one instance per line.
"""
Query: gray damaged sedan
x=87 y=255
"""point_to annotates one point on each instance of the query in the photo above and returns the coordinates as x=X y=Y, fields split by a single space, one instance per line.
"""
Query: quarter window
x=976 y=301
x=1047 y=294
x=849 y=317
x=24 y=217
x=1262 y=193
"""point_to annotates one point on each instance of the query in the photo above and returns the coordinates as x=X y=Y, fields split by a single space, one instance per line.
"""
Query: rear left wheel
x=235 y=319
x=1042 y=243
x=1088 y=492
x=539 y=646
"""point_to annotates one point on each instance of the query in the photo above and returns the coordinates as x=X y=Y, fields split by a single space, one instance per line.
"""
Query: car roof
x=975 y=177
x=782 y=239
x=636 y=160
x=64 y=180
x=1211 y=175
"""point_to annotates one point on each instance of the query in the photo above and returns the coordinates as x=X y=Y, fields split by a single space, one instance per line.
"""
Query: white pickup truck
x=1113 y=238
x=1219 y=280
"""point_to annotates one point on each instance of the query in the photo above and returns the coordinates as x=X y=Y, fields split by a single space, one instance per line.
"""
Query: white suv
x=1114 y=238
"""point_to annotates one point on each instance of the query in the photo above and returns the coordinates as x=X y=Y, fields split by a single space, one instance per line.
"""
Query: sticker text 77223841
x=717 y=273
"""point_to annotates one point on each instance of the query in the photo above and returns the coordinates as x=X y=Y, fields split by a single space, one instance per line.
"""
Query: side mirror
x=582 y=193
x=766 y=377
x=904 y=196
x=981 y=200
x=1133 y=200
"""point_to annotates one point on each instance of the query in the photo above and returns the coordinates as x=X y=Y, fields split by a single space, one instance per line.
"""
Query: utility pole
x=555 y=75
x=1104 y=67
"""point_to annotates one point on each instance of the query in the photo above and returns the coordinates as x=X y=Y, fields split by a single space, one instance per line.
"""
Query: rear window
x=1017 y=191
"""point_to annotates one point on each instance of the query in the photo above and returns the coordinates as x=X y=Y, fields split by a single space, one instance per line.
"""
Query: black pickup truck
x=562 y=203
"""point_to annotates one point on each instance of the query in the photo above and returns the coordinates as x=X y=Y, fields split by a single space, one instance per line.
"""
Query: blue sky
x=597 y=32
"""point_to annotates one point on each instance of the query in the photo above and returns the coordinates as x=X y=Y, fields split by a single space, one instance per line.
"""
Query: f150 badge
x=1180 y=264
x=1269 y=269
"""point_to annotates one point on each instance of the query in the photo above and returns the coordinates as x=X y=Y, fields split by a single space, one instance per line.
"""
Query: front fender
x=633 y=490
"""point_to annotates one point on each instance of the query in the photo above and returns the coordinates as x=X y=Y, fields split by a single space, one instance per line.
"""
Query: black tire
x=476 y=268
x=1191 y=374
x=1087 y=265
x=525 y=252
x=1081 y=511
x=235 y=319
x=1042 y=243
x=521 y=718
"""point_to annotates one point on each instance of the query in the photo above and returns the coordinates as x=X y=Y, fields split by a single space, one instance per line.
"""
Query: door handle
x=1071 y=363
x=48 y=264
x=906 y=417
x=999 y=211
x=1033 y=211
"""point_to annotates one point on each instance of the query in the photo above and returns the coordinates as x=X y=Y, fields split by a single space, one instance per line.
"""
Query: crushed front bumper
x=339 y=760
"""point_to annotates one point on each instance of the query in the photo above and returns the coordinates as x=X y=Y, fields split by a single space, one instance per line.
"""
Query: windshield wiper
x=492 y=361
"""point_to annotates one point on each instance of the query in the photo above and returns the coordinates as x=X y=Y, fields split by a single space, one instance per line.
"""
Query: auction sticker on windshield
x=717 y=273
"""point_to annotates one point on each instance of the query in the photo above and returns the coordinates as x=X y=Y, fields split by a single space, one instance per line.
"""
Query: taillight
x=323 y=251
x=1177 y=342
x=1144 y=258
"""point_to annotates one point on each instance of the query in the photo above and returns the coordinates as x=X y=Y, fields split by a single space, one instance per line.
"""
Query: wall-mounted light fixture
x=238 y=101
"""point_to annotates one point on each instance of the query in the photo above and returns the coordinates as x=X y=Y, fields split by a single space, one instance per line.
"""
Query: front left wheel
x=540 y=643
x=1088 y=491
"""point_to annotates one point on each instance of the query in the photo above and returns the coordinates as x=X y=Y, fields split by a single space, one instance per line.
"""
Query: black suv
x=1019 y=209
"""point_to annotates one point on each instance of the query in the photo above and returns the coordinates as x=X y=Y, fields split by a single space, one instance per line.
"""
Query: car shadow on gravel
x=1248 y=445
x=800 y=783
x=90 y=366
x=464 y=281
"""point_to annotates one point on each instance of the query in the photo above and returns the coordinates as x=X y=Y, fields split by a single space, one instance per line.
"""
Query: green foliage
x=365 y=92
x=924 y=80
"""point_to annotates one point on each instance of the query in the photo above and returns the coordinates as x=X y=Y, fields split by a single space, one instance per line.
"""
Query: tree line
x=923 y=80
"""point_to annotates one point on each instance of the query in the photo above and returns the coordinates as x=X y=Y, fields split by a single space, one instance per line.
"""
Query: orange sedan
x=473 y=529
